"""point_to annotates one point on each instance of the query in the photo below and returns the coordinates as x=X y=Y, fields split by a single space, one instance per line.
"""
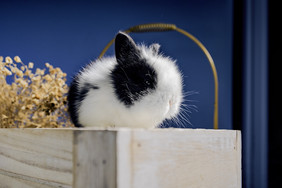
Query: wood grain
x=95 y=159
x=36 y=156
x=185 y=158
x=120 y=158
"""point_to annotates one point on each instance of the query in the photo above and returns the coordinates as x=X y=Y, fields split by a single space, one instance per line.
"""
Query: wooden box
x=120 y=158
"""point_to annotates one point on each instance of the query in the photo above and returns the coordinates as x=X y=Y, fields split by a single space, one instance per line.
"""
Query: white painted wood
x=185 y=158
x=239 y=157
x=124 y=159
x=120 y=158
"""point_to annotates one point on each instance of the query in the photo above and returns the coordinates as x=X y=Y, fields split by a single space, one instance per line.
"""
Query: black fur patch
x=132 y=77
x=75 y=97
x=86 y=89
x=133 y=80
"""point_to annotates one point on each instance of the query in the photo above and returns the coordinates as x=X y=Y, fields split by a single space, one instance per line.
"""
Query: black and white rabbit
x=139 y=87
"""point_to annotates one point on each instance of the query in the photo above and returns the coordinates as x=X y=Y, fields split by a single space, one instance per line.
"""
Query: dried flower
x=8 y=60
x=32 y=99
x=30 y=65
x=17 y=59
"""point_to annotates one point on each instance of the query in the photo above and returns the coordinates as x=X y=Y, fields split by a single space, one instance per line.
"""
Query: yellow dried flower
x=35 y=101
x=27 y=72
x=32 y=100
x=47 y=77
x=19 y=73
x=30 y=65
x=29 y=106
x=36 y=78
x=23 y=83
x=7 y=72
x=8 y=59
x=17 y=59
x=12 y=69
x=41 y=114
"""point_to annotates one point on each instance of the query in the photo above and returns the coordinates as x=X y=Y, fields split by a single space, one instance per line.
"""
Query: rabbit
x=138 y=88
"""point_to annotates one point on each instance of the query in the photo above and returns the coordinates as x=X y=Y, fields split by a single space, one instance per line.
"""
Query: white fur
x=101 y=108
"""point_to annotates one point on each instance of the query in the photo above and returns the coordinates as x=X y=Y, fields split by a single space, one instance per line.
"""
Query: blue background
x=69 y=34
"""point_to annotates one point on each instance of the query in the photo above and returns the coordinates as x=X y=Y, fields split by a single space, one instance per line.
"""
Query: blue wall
x=69 y=34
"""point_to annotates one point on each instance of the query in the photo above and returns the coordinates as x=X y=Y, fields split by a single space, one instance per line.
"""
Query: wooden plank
x=11 y=180
x=182 y=158
x=120 y=158
x=239 y=157
x=94 y=159
x=36 y=156
x=124 y=159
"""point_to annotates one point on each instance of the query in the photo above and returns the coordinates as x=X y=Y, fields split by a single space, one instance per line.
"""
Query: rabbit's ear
x=125 y=48
x=155 y=47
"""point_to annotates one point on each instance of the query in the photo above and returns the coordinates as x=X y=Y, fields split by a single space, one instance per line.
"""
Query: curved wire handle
x=156 y=27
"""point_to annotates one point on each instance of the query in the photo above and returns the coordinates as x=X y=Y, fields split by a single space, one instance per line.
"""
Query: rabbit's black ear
x=125 y=48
